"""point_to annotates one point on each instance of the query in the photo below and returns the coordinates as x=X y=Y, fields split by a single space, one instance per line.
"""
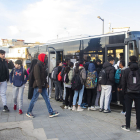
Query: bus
x=97 y=47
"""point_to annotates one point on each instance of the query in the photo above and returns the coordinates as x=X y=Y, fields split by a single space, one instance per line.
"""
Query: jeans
x=58 y=89
x=18 y=92
x=97 y=98
x=35 y=97
x=105 y=96
x=110 y=102
x=80 y=96
x=129 y=97
x=91 y=96
x=3 y=88
x=64 y=95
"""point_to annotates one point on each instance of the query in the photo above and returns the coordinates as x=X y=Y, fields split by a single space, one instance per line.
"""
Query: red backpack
x=59 y=77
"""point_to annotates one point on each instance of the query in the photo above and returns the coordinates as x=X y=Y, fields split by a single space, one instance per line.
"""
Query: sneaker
x=20 y=111
x=5 y=109
x=30 y=115
x=50 y=97
x=15 y=107
x=123 y=113
x=83 y=107
x=57 y=99
x=74 y=108
x=97 y=107
x=86 y=105
x=66 y=107
x=107 y=111
x=54 y=114
x=79 y=109
x=93 y=108
x=61 y=100
x=101 y=110
x=89 y=108
x=125 y=128
x=70 y=108
x=138 y=130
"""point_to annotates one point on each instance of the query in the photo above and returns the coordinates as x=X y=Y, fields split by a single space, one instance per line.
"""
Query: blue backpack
x=117 y=76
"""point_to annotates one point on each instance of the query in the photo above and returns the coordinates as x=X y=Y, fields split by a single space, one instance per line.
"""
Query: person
x=58 y=86
x=131 y=90
x=31 y=89
x=107 y=88
x=122 y=100
x=69 y=91
x=4 y=78
x=98 y=69
x=91 y=87
x=40 y=85
x=18 y=80
x=79 y=70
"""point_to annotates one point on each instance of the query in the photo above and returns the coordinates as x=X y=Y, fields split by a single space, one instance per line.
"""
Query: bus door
x=59 y=55
x=116 y=52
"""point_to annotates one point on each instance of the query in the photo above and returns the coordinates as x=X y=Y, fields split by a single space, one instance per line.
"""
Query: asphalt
x=69 y=125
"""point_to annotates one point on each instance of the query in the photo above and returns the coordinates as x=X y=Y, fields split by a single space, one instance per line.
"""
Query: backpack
x=66 y=78
x=59 y=77
x=76 y=82
x=91 y=81
x=54 y=73
x=117 y=76
x=133 y=82
x=102 y=77
x=31 y=78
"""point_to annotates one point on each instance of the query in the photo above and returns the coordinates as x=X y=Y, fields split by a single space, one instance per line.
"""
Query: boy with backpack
x=131 y=89
x=91 y=86
x=106 y=79
x=122 y=100
x=18 y=80
x=78 y=83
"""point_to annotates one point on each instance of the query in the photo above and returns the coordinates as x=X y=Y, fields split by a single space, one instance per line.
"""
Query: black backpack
x=54 y=73
x=76 y=82
x=133 y=82
x=102 y=77
x=66 y=78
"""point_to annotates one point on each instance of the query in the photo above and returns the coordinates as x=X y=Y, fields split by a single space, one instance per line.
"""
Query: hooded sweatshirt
x=17 y=77
x=91 y=68
x=110 y=71
x=40 y=72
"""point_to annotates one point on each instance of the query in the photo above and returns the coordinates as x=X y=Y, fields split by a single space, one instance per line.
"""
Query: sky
x=43 y=20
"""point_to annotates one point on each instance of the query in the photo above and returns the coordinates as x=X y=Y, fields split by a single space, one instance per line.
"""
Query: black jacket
x=110 y=70
x=121 y=78
x=133 y=66
x=4 y=66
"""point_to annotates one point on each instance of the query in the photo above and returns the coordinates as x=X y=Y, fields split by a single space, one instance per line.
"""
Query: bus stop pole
x=49 y=62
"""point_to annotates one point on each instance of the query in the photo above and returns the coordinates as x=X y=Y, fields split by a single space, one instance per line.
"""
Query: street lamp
x=103 y=23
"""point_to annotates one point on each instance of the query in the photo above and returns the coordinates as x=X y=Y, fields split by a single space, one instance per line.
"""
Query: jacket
x=40 y=73
x=70 y=76
x=17 y=77
x=110 y=71
x=133 y=66
x=91 y=68
x=82 y=74
x=4 y=64
x=121 y=78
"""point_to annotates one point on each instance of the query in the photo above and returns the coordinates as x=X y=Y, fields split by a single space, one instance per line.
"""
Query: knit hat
x=2 y=52
x=18 y=62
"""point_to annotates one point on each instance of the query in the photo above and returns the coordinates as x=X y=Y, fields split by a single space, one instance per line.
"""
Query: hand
x=40 y=90
x=11 y=83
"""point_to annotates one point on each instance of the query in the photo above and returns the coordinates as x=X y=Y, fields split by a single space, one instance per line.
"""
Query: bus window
x=133 y=50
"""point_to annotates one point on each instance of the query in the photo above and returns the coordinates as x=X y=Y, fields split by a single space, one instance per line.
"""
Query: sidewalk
x=70 y=125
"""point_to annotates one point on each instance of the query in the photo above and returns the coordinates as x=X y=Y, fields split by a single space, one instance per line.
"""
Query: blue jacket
x=91 y=68
x=18 y=78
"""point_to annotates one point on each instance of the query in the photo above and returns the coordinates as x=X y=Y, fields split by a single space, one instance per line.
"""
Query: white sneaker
x=138 y=130
x=80 y=109
x=66 y=107
x=97 y=107
x=74 y=108
x=123 y=112
x=50 y=97
x=70 y=108
x=93 y=108
x=89 y=108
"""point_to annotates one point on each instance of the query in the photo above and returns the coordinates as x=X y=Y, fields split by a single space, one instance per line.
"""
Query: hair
x=77 y=68
x=81 y=62
x=88 y=58
x=2 y=52
x=19 y=62
x=133 y=58
x=67 y=69
x=122 y=62
x=71 y=64
x=33 y=63
x=67 y=59
x=110 y=58
x=58 y=62
x=121 y=58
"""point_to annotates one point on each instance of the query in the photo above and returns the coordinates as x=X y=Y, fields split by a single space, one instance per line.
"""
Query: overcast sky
x=43 y=20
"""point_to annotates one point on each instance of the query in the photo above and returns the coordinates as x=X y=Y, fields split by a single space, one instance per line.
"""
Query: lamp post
x=103 y=23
